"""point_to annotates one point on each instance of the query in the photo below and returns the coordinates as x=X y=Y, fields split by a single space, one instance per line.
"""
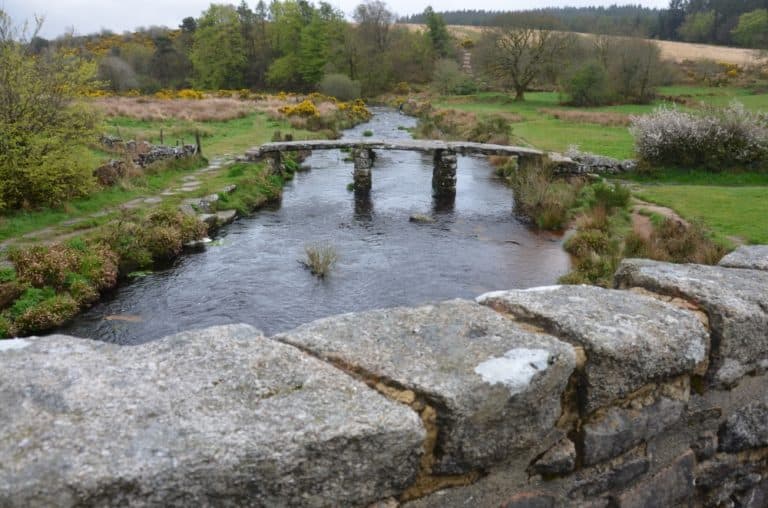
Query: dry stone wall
x=651 y=394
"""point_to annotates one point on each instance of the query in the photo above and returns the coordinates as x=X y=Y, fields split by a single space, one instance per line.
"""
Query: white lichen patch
x=9 y=344
x=491 y=295
x=515 y=369
x=543 y=288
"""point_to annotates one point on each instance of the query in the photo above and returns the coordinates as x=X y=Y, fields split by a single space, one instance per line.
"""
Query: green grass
x=699 y=177
x=221 y=137
x=20 y=223
x=542 y=131
x=218 y=138
x=719 y=96
x=728 y=210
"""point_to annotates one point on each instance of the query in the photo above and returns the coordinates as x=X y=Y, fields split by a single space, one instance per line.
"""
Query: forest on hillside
x=300 y=46
x=727 y=22
x=288 y=45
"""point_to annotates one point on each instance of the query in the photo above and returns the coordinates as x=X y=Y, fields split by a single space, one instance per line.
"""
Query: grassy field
x=739 y=211
x=539 y=127
x=730 y=204
x=674 y=51
x=219 y=138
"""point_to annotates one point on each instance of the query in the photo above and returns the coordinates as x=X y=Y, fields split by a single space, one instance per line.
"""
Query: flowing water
x=252 y=274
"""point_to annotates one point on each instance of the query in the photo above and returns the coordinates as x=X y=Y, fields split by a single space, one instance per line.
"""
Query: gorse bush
x=715 y=139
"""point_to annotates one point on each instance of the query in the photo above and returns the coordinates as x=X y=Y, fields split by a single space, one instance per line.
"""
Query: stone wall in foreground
x=652 y=394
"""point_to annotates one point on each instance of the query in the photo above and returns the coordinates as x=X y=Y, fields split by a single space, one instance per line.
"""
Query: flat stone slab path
x=420 y=145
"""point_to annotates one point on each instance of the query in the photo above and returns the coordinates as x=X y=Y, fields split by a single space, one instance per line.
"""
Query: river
x=251 y=272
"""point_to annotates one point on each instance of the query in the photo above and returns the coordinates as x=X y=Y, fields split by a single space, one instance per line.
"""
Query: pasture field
x=733 y=205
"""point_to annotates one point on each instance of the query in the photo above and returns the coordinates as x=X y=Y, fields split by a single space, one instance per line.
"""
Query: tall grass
x=320 y=259
x=150 y=109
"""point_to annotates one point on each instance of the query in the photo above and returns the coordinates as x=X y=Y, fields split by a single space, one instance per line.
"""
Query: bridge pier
x=444 y=173
x=274 y=162
x=363 y=159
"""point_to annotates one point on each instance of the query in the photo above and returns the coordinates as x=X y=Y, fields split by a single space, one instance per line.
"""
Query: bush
x=47 y=314
x=43 y=153
x=320 y=259
x=340 y=86
x=542 y=198
x=588 y=86
x=6 y=329
x=7 y=274
x=677 y=243
x=491 y=129
x=714 y=139
x=609 y=196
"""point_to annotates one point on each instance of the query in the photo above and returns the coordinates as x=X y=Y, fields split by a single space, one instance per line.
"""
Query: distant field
x=548 y=125
x=675 y=51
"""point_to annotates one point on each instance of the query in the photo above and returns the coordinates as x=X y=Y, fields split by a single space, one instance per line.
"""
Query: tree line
x=287 y=45
x=728 y=22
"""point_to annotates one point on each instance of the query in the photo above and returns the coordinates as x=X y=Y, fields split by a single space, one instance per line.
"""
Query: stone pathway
x=62 y=230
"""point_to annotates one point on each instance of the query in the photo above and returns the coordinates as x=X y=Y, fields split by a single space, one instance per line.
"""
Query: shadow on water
x=251 y=273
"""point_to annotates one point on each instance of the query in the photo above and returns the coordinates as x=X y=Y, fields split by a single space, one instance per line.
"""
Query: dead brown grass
x=674 y=51
x=599 y=117
x=151 y=109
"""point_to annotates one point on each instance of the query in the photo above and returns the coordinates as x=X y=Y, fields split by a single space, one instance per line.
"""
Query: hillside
x=670 y=50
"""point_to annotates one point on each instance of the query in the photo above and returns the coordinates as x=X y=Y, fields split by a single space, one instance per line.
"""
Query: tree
x=437 y=32
x=752 y=29
x=698 y=27
x=521 y=54
x=374 y=23
x=43 y=146
x=218 y=53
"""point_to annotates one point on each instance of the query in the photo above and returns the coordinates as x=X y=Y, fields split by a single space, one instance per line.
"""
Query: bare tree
x=521 y=54
x=375 y=20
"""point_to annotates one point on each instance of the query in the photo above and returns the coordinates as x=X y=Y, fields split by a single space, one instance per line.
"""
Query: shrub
x=610 y=196
x=43 y=266
x=713 y=139
x=6 y=329
x=30 y=298
x=677 y=243
x=43 y=157
x=7 y=274
x=47 y=314
x=340 y=86
x=493 y=128
x=320 y=259
x=163 y=242
x=542 y=198
x=588 y=86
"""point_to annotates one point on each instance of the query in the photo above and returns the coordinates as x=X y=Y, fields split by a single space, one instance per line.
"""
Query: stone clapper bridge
x=443 y=152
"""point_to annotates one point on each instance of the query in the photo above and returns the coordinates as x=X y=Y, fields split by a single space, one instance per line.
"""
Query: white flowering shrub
x=713 y=138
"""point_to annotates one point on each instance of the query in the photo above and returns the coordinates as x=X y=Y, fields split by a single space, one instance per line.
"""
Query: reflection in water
x=251 y=274
x=363 y=208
